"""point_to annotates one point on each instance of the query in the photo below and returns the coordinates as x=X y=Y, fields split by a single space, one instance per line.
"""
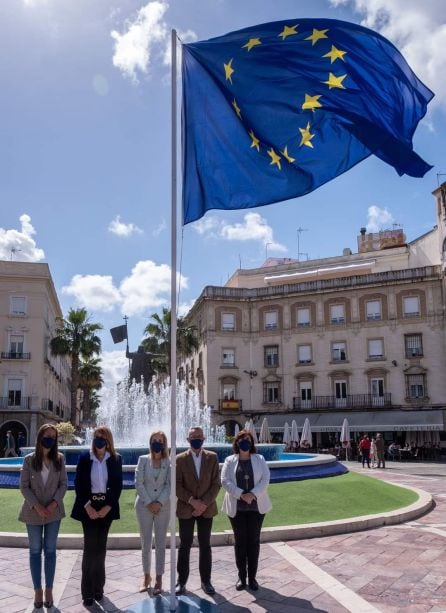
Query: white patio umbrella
x=236 y=429
x=306 y=437
x=286 y=435
x=265 y=434
x=249 y=426
x=345 y=436
x=294 y=434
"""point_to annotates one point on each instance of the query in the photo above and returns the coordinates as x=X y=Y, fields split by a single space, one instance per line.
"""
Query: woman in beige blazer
x=152 y=484
x=43 y=483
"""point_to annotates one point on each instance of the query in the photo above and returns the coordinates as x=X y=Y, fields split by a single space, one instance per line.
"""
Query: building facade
x=360 y=336
x=34 y=385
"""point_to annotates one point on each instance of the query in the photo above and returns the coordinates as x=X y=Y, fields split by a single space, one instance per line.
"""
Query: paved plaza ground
x=395 y=569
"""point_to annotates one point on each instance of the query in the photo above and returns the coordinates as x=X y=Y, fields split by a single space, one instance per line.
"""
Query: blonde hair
x=165 y=451
x=106 y=433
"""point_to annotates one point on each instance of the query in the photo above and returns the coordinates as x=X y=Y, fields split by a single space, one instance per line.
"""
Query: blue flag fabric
x=274 y=111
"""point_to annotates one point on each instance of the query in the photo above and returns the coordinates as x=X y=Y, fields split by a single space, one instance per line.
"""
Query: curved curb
x=418 y=508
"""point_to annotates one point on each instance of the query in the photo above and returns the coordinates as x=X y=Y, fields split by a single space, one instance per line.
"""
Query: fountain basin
x=284 y=466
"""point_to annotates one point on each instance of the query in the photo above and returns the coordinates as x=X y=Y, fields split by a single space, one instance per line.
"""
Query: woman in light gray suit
x=43 y=483
x=152 y=482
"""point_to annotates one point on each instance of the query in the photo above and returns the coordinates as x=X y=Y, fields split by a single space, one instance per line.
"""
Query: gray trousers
x=148 y=523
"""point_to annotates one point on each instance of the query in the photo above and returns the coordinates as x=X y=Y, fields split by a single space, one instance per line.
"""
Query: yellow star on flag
x=311 y=102
x=306 y=136
x=288 y=31
x=252 y=42
x=335 y=54
x=229 y=70
x=236 y=108
x=287 y=156
x=275 y=159
x=317 y=35
x=334 y=81
x=255 y=141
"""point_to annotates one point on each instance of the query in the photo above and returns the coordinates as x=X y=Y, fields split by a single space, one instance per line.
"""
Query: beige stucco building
x=360 y=335
x=34 y=385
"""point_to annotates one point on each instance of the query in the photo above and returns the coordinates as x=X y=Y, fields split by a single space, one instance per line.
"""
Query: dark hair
x=106 y=433
x=241 y=435
x=53 y=454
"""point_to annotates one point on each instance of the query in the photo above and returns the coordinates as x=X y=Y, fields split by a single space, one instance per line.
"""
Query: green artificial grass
x=295 y=502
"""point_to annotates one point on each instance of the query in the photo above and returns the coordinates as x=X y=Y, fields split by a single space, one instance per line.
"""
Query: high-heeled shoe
x=145 y=584
x=48 y=604
x=38 y=604
x=158 y=587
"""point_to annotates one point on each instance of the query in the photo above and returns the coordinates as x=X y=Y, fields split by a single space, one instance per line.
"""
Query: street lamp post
x=251 y=374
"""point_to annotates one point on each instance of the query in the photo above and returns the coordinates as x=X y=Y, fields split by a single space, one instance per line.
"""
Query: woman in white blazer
x=245 y=479
x=152 y=483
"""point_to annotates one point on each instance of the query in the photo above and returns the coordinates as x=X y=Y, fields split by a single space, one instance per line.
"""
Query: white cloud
x=120 y=228
x=378 y=219
x=417 y=28
x=254 y=227
x=160 y=228
x=20 y=243
x=185 y=307
x=133 y=48
x=115 y=368
x=206 y=225
x=96 y=292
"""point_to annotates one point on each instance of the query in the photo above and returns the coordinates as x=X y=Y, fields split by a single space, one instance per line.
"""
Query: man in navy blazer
x=197 y=487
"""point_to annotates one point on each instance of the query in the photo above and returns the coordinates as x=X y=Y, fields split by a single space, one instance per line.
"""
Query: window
x=341 y=393
x=377 y=391
x=303 y=317
x=376 y=348
x=416 y=386
x=373 y=309
x=229 y=391
x=271 y=354
x=271 y=319
x=414 y=345
x=18 y=305
x=271 y=392
x=16 y=345
x=306 y=393
x=337 y=314
x=411 y=306
x=228 y=357
x=338 y=352
x=14 y=392
x=228 y=322
x=304 y=354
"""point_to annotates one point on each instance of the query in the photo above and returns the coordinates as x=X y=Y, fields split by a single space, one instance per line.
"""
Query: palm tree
x=158 y=339
x=90 y=380
x=75 y=337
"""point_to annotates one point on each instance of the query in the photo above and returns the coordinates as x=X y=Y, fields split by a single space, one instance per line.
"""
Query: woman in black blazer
x=98 y=486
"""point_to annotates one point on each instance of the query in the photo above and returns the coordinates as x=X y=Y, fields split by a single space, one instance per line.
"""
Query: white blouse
x=99 y=473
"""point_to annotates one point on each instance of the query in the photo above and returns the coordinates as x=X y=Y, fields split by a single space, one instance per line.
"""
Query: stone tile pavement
x=392 y=569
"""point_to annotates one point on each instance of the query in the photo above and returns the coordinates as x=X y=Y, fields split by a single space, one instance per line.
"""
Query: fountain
x=132 y=415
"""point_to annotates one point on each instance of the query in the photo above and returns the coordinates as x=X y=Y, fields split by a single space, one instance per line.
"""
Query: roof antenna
x=14 y=251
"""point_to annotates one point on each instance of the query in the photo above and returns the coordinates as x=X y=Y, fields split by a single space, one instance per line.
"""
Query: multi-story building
x=361 y=335
x=34 y=385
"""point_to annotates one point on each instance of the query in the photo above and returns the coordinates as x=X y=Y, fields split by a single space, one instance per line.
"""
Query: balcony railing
x=354 y=401
x=47 y=405
x=15 y=355
x=230 y=405
x=12 y=405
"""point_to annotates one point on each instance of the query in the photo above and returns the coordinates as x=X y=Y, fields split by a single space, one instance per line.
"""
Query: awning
x=372 y=421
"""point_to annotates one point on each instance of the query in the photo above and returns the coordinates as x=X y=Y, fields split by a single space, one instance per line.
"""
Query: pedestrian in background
x=379 y=442
x=364 y=447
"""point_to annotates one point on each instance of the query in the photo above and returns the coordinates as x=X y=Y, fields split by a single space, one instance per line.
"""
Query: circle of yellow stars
x=310 y=103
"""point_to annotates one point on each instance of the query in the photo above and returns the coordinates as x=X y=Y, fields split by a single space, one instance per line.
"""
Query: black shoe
x=253 y=585
x=38 y=605
x=48 y=604
x=88 y=602
x=207 y=588
x=180 y=588
x=99 y=597
x=240 y=585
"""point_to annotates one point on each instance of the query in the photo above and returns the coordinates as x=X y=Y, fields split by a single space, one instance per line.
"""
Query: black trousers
x=366 y=457
x=93 y=559
x=247 y=526
x=204 y=528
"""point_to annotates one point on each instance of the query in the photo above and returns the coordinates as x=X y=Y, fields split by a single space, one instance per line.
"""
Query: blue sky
x=85 y=159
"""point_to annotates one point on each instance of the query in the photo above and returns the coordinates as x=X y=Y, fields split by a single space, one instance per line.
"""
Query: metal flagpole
x=173 y=329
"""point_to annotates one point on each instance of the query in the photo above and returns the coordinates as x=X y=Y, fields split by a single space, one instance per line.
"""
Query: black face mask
x=156 y=446
x=99 y=442
x=196 y=443
x=245 y=444
x=48 y=442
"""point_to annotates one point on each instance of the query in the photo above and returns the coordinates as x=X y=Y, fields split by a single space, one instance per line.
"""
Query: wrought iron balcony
x=12 y=404
x=353 y=401
x=15 y=355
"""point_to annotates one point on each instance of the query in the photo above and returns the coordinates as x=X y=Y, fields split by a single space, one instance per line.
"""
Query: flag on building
x=119 y=333
x=274 y=111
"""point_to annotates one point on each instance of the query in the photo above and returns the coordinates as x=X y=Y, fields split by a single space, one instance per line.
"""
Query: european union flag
x=273 y=111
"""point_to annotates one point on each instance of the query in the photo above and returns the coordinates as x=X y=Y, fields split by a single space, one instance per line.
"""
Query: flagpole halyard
x=173 y=330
